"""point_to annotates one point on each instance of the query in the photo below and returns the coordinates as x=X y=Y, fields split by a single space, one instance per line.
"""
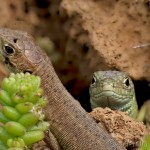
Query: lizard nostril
x=15 y=40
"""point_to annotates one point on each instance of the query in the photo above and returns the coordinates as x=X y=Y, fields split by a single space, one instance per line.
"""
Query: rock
x=110 y=35
x=126 y=130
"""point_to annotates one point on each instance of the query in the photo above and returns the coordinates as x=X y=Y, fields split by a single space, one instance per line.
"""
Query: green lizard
x=113 y=89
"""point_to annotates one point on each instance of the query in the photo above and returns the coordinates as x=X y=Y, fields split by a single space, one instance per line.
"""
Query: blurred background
x=82 y=37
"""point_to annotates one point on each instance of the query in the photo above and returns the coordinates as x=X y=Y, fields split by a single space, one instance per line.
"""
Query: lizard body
x=113 y=89
x=73 y=128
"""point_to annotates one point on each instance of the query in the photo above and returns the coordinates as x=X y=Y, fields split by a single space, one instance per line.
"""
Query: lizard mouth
x=12 y=66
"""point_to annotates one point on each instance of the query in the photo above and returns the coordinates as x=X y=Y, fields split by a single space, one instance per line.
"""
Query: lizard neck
x=67 y=118
x=53 y=88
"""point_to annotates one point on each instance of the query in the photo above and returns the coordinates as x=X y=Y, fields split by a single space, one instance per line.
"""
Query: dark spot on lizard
x=15 y=40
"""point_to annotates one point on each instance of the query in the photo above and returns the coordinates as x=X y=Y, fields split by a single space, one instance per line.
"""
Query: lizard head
x=19 y=51
x=113 y=89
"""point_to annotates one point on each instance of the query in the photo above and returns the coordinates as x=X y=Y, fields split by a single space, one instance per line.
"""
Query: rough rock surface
x=114 y=33
x=123 y=128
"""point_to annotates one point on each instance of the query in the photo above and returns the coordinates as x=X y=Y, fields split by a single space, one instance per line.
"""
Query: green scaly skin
x=113 y=89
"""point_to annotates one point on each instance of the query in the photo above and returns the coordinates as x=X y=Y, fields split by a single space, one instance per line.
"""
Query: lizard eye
x=9 y=50
x=127 y=82
x=93 y=81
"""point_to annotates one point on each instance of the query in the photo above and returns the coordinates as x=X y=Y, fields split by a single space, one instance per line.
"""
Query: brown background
x=84 y=36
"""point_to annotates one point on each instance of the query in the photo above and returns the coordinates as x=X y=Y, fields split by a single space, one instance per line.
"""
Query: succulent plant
x=21 y=118
x=145 y=144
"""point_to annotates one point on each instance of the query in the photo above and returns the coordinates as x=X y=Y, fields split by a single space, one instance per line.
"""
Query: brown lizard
x=71 y=125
